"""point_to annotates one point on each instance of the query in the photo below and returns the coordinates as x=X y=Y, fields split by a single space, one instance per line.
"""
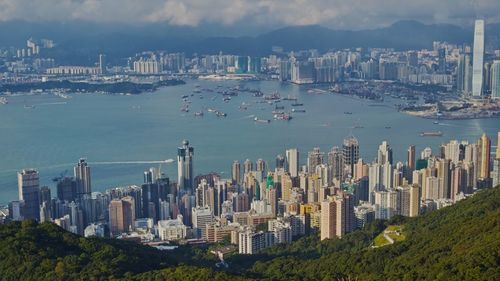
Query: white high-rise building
x=477 y=60
x=82 y=176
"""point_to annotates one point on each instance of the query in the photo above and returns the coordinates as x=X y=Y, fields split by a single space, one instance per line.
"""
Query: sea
x=123 y=135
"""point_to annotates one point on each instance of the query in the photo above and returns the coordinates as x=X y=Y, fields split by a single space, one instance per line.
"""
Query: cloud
x=334 y=13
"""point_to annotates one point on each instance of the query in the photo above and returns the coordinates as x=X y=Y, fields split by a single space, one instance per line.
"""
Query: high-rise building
x=201 y=217
x=292 y=162
x=121 y=215
x=260 y=165
x=29 y=192
x=66 y=189
x=247 y=166
x=464 y=75
x=236 y=172
x=484 y=148
x=496 y=164
x=314 y=158
x=477 y=60
x=336 y=164
x=495 y=80
x=384 y=154
x=102 y=64
x=350 y=153
x=82 y=177
x=442 y=60
x=185 y=175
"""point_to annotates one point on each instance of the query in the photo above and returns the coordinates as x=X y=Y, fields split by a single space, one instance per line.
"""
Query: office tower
x=102 y=64
x=477 y=60
x=335 y=162
x=411 y=158
x=384 y=154
x=76 y=218
x=219 y=197
x=82 y=177
x=121 y=215
x=247 y=166
x=280 y=161
x=442 y=60
x=185 y=167
x=29 y=192
x=496 y=164
x=260 y=165
x=464 y=74
x=292 y=162
x=495 y=80
x=66 y=189
x=236 y=172
x=314 y=158
x=350 y=153
x=484 y=148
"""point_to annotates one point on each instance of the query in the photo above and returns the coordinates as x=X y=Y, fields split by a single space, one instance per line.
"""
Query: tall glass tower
x=477 y=60
x=185 y=166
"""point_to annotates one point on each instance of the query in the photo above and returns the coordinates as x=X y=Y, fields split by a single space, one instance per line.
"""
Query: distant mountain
x=80 y=42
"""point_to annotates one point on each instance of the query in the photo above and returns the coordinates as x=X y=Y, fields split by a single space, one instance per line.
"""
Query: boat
x=29 y=106
x=226 y=99
x=283 y=116
x=3 y=100
x=388 y=127
x=220 y=114
x=185 y=109
x=431 y=134
x=197 y=91
x=184 y=97
x=261 y=120
x=297 y=104
x=347 y=112
x=198 y=113
x=358 y=127
x=211 y=110
x=435 y=122
x=298 y=110
x=279 y=107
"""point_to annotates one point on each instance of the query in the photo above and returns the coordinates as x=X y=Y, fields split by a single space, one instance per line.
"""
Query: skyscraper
x=477 y=60
x=496 y=164
x=464 y=75
x=29 y=192
x=411 y=158
x=350 y=153
x=442 y=60
x=495 y=80
x=236 y=172
x=247 y=166
x=185 y=166
x=292 y=162
x=484 y=148
x=82 y=177
x=384 y=154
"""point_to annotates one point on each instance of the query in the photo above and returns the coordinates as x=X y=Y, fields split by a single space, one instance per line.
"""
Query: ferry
x=211 y=110
x=262 y=120
x=298 y=110
x=431 y=134
x=3 y=100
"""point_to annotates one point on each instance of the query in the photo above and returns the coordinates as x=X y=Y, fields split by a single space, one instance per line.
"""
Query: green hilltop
x=460 y=242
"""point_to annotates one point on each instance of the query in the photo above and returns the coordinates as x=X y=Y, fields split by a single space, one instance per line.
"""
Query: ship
x=3 y=100
x=298 y=110
x=297 y=104
x=283 y=116
x=211 y=110
x=198 y=113
x=261 y=120
x=347 y=112
x=185 y=108
x=220 y=114
x=431 y=134
x=184 y=97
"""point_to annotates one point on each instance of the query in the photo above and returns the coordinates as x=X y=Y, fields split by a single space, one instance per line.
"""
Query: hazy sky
x=351 y=14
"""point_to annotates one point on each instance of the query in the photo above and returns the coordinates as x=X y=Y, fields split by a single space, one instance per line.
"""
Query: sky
x=342 y=14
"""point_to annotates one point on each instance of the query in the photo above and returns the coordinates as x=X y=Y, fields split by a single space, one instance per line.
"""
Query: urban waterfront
x=50 y=133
